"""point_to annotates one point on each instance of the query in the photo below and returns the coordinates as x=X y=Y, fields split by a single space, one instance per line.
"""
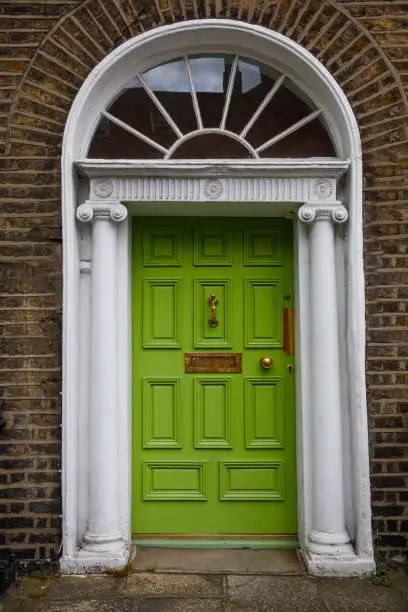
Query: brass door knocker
x=213 y=302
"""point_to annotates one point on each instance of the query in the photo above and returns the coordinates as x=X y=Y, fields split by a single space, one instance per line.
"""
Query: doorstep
x=218 y=561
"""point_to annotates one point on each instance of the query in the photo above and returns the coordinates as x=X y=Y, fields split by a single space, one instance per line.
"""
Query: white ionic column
x=103 y=539
x=328 y=535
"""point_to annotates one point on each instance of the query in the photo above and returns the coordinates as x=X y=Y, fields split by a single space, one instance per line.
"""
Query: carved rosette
x=102 y=188
x=89 y=211
x=213 y=189
x=324 y=189
x=337 y=213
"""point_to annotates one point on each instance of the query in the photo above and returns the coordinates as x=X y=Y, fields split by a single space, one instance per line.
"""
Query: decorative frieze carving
x=324 y=189
x=102 y=188
x=194 y=189
x=213 y=188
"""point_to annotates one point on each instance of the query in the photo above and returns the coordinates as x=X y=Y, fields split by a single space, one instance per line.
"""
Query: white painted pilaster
x=328 y=541
x=103 y=544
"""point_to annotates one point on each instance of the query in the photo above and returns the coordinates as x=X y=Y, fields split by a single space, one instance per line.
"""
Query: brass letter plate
x=213 y=362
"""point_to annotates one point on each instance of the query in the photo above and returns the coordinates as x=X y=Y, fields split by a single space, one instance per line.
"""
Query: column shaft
x=103 y=495
x=103 y=537
x=328 y=500
x=329 y=535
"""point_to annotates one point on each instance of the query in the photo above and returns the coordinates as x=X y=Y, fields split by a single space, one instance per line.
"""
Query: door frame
x=102 y=194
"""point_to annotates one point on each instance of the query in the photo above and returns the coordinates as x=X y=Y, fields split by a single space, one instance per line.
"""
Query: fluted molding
x=307 y=181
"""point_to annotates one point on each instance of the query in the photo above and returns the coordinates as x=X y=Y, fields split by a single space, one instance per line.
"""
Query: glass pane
x=283 y=111
x=111 y=141
x=171 y=76
x=311 y=140
x=251 y=86
x=211 y=77
x=135 y=108
x=211 y=146
x=171 y=86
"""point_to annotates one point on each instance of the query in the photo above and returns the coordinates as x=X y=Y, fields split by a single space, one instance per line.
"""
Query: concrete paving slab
x=144 y=592
x=173 y=585
x=85 y=587
x=96 y=605
x=218 y=561
x=181 y=605
x=28 y=587
x=274 y=594
x=360 y=596
x=399 y=580
x=11 y=605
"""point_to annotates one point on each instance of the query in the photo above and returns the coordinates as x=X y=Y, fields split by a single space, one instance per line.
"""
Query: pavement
x=168 y=591
x=151 y=592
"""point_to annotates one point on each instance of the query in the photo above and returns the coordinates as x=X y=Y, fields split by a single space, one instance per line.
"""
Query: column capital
x=317 y=211
x=114 y=211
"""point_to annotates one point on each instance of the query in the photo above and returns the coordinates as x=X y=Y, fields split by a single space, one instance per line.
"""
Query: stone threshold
x=218 y=561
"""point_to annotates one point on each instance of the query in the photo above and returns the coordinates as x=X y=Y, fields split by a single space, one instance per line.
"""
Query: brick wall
x=47 y=49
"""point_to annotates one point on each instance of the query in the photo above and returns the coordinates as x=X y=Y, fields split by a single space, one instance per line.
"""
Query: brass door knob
x=266 y=362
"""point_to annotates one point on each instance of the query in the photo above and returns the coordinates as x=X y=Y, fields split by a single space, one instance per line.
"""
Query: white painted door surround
x=99 y=196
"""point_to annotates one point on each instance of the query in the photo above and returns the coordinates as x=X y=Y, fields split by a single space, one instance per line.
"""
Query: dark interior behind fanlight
x=211 y=146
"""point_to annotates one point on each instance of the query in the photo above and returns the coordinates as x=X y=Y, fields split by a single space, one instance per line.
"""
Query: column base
x=110 y=557
x=102 y=543
x=330 y=544
x=338 y=567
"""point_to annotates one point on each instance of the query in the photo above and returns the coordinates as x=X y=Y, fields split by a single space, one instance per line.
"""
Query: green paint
x=213 y=453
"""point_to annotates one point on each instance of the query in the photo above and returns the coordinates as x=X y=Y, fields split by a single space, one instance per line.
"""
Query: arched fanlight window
x=211 y=107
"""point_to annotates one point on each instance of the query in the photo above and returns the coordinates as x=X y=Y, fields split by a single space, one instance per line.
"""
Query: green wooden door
x=213 y=453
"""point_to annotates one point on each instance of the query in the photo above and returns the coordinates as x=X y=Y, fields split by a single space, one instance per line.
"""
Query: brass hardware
x=213 y=303
x=290 y=368
x=213 y=362
x=266 y=362
x=288 y=332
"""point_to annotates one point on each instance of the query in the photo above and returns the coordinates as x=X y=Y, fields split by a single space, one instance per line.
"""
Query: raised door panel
x=161 y=413
x=252 y=481
x=263 y=313
x=263 y=247
x=174 y=481
x=264 y=413
x=162 y=248
x=212 y=413
x=212 y=248
x=161 y=313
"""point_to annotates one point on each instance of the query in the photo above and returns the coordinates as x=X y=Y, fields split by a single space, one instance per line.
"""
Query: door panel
x=263 y=315
x=264 y=413
x=206 y=337
x=263 y=247
x=161 y=413
x=212 y=413
x=161 y=313
x=212 y=248
x=223 y=440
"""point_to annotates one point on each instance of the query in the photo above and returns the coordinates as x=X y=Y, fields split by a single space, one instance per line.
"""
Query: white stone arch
x=289 y=184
